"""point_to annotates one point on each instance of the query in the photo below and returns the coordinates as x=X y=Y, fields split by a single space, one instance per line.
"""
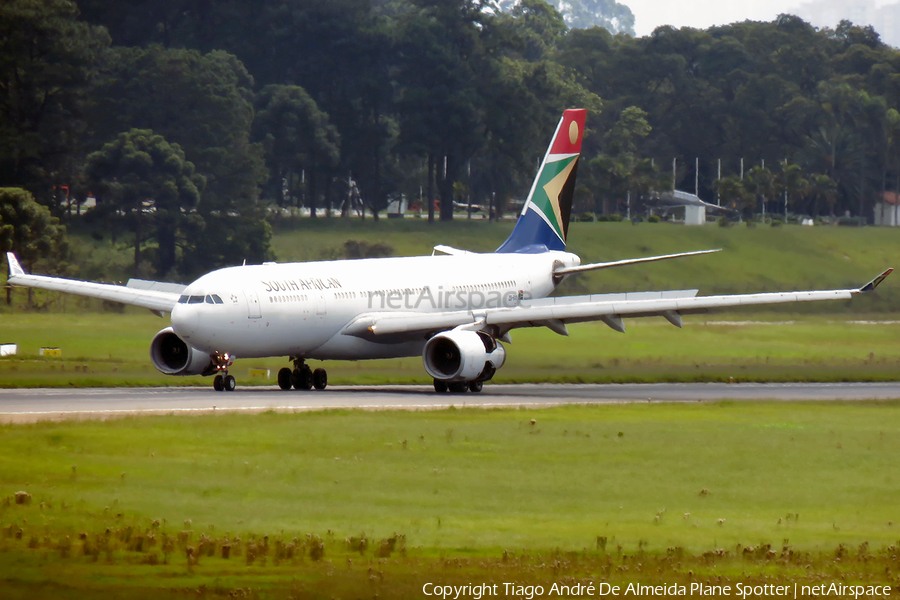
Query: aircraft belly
x=346 y=347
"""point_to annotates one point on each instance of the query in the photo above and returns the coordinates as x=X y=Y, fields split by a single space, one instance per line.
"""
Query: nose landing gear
x=302 y=377
x=223 y=382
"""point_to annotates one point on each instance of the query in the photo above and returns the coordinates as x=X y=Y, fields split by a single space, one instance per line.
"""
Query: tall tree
x=204 y=103
x=46 y=58
x=28 y=229
x=585 y=14
x=297 y=137
x=147 y=179
x=442 y=60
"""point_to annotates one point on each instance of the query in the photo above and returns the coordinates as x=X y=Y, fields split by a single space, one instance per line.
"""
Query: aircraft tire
x=302 y=378
x=320 y=379
x=230 y=383
x=218 y=383
x=284 y=379
x=440 y=386
x=476 y=386
x=458 y=387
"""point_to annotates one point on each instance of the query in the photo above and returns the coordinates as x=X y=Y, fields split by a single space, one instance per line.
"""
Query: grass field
x=354 y=504
x=113 y=349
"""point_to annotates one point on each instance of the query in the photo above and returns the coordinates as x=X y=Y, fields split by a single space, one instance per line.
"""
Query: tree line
x=193 y=122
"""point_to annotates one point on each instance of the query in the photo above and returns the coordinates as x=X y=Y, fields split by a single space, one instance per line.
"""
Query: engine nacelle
x=463 y=356
x=172 y=356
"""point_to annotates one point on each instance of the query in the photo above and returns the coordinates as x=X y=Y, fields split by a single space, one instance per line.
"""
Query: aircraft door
x=253 y=308
x=321 y=308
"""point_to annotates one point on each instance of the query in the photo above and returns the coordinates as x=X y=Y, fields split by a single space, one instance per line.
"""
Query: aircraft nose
x=182 y=321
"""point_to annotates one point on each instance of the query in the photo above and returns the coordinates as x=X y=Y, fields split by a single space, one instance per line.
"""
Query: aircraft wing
x=138 y=293
x=555 y=313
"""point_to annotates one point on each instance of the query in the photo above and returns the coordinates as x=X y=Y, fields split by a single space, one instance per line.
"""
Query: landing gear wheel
x=475 y=386
x=458 y=387
x=320 y=379
x=230 y=383
x=284 y=379
x=219 y=383
x=302 y=378
x=440 y=386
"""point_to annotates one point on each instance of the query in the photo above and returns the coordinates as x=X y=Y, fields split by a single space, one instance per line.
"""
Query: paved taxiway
x=53 y=404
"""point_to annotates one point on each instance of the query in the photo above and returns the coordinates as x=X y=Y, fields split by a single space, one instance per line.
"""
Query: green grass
x=662 y=484
x=113 y=350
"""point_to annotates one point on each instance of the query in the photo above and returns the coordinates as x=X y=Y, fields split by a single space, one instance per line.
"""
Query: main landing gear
x=302 y=377
x=458 y=387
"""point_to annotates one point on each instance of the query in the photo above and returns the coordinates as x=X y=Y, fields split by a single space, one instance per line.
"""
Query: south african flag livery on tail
x=544 y=220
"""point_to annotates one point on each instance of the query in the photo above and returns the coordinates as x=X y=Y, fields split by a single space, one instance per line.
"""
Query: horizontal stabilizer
x=156 y=286
x=450 y=250
x=629 y=261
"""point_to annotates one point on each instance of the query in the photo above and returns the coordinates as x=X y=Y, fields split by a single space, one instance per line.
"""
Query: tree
x=822 y=189
x=441 y=66
x=203 y=103
x=585 y=14
x=733 y=194
x=46 y=57
x=28 y=229
x=297 y=136
x=760 y=182
x=790 y=181
x=619 y=171
x=147 y=179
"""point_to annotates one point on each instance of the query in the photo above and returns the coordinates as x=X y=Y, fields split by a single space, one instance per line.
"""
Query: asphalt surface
x=29 y=405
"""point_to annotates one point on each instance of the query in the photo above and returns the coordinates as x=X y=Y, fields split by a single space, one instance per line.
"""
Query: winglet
x=875 y=282
x=14 y=267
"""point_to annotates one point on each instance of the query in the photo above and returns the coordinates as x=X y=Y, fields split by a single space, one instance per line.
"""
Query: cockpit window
x=209 y=299
x=196 y=300
x=183 y=300
x=217 y=300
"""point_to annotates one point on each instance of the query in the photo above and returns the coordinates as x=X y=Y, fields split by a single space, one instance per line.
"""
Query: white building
x=887 y=212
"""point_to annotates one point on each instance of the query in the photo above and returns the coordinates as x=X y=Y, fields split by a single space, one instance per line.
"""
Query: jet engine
x=170 y=355
x=463 y=356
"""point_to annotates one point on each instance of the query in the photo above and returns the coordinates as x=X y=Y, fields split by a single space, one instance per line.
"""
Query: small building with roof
x=887 y=212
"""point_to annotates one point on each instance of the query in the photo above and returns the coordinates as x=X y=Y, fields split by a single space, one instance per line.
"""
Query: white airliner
x=453 y=308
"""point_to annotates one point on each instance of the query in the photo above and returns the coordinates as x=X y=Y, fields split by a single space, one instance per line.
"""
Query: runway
x=30 y=405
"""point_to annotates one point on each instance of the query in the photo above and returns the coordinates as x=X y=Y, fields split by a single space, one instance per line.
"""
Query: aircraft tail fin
x=544 y=220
